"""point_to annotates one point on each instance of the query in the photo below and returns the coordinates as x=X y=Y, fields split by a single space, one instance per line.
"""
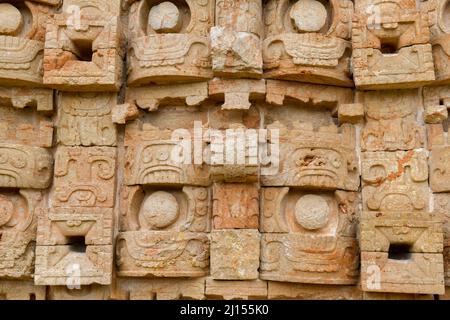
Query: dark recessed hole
x=77 y=244
x=84 y=50
x=388 y=48
x=441 y=102
x=32 y=296
x=399 y=252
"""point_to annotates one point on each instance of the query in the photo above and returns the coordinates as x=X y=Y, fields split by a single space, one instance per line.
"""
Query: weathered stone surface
x=235 y=206
x=180 y=52
x=436 y=103
x=235 y=290
x=300 y=291
x=160 y=289
x=21 y=290
x=92 y=292
x=316 y=49
x=395 y=181
x=421 y=273
x=236 y=92
x=235 y=254
x=391 y=120
x=442 y=205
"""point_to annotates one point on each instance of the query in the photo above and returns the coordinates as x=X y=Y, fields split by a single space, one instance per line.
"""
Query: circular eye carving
x=308 y=15
x=159 y=210
x=312 y=212
x=6 y=210
x=165 y=18
x=10 y=19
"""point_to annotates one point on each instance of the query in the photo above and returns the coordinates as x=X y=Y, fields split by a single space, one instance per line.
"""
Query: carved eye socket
x=162 y=155
x=445 y=17
x=6 y=210
x=336 y=162
x=18 y=162
x=10 y=19
x=308 y=15
x=147 y=156
x=165 y=18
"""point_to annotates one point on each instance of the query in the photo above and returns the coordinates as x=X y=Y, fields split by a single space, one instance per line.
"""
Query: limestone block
x=121 y=113
x=21 y=290
x=237 y=93
x=438 y=12
x=317 y=215
x=160 y=289
x=442 y=206
x=439 y=165
x=151 y=97
x=59 y=226
x=156 y=157
x=18 y=220
x=396 y=296
x=300 y=257
x=25 y=167
x=351 y=113
x=419 y=232
x=236 y=39
x=236 y=290
x=419 y=273
x=21 y=97
x=22 y=36
x=436 y=103
x=166 y=209
x=92 y=292
x=73 y=264
x=85 y=119
x=391 y=120
x=167 y=50
x=323 y=158
x=235 y=206
x=235 y=254
x=84 y=177
x=395 y=181
x=308 y=41
x=300 y=291
x=162 y=254
x=83 y=47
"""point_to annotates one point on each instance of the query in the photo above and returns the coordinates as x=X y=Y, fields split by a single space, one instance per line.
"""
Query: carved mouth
x=160 y=174
x=317 y=178
x=8 y=179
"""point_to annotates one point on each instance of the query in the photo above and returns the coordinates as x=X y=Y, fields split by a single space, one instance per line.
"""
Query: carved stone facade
x=224 y=149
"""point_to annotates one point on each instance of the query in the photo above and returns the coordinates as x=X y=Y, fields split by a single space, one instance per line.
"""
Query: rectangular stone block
x=441 y=203
x=160 y=289
x=294 y=257
x=236 y=290
x=83 y=47
x=59 y=226
x=235 y=254
x=420 y=273
x=92 y=292
x=309 y=158
x=25 y=167
x=84 y=177
x=235 y=206
x=308 y=50
x=18 y=220
x=391 y=120
x=174 y=50
x=73 y=264
x=21 y=290
x=85 y=119
x=395 y=181
x=300 y=291
x=419 y=232
x=22 y=39
x=439 y=165
x=21 y=97
x=236 y=39
x=236 y=93
x=165 y=209
x=162 y=254
x=436 y=102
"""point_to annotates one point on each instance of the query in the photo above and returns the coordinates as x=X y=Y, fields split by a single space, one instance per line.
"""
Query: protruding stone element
x=169 y=41
x=73 y=264
x=162 y=254
x=236 y=290
x=235 y=254
x=391 y=47
x=165 y=18
x=83 y=47
x=442 y=205
x=237 y=93
x=121 y=113
x=235 y=206
x=11 y=19
x=439 y=169
x=21 y=290
x=436 y=103
x=308 y=41
x=21 y=97
x=351 y=113
x=421 y=273
x=150 y=98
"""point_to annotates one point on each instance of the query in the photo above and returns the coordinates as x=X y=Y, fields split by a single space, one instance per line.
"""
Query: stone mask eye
x=336 y=162
x=18 y=162
x=147 y=156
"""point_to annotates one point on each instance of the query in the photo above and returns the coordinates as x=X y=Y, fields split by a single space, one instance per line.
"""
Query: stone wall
x=224 y=149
